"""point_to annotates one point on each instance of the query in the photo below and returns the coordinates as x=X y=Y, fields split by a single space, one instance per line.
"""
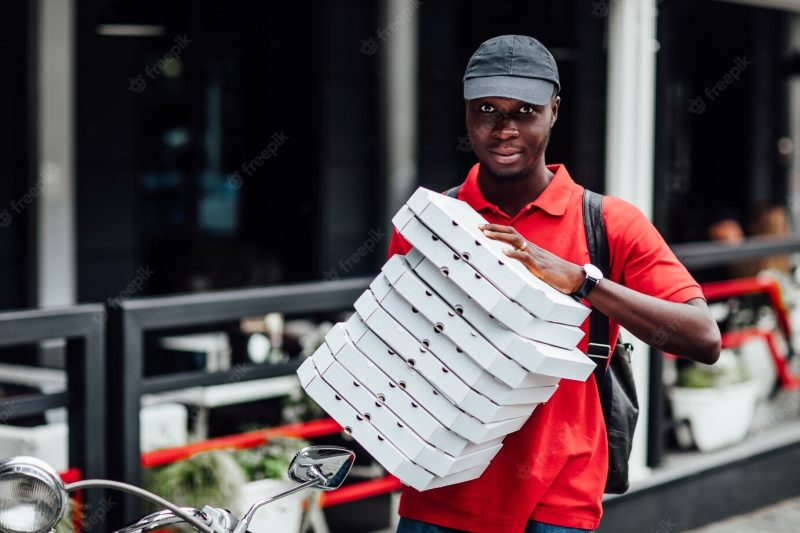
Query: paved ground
x=781 y=517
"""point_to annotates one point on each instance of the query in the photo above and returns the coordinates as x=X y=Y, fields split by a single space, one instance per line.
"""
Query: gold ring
x=524 y=245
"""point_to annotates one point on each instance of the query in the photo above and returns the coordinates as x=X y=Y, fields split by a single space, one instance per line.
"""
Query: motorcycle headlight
x=32 y=496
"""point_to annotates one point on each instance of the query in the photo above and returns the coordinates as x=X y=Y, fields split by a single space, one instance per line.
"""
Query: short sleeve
x=641 y=259
x=398 y=245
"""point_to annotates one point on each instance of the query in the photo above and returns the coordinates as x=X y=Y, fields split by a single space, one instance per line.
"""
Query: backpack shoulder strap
x=597 y=242
x=453 y=193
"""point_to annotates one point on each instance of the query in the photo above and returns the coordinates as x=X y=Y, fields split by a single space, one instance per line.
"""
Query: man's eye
x=487 y=108
x=526 y=110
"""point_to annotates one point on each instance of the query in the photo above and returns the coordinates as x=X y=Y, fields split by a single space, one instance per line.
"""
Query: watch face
x=592 y=271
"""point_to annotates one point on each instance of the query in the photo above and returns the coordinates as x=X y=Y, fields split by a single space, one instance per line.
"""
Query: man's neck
x=512 y=196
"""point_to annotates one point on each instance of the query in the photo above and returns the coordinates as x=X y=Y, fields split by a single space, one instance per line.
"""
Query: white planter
x=758 y=361
x=282 y=515
x=718 y=417
x=47 y=442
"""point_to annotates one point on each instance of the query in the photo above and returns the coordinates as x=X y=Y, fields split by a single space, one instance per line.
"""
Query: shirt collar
x=552 y=200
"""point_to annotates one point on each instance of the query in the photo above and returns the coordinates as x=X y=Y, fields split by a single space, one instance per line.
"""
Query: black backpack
x=615 y=379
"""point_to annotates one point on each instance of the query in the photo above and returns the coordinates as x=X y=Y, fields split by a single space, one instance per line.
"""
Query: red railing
x=733 y=339
x=739 y=287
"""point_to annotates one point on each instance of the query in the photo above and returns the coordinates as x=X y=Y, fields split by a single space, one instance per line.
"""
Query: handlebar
x=160 y=519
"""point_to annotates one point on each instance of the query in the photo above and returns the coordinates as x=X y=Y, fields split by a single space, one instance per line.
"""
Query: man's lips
x=506 y=157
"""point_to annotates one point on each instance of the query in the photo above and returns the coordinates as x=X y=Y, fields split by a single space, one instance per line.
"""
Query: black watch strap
x=588 y=284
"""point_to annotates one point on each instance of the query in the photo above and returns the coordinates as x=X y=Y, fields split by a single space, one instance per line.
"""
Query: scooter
x=33 y=498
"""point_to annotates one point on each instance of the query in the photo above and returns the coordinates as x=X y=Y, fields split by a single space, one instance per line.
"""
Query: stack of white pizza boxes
x=452 y=348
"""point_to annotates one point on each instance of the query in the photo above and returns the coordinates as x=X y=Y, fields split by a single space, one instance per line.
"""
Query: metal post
x=86 y=385
x=656 y=429
x=630 y=134
x=401 y=99
x=125 y=374
x=54 y=184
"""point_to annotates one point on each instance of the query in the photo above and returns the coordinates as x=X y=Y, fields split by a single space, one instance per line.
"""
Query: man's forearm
x=685 y=329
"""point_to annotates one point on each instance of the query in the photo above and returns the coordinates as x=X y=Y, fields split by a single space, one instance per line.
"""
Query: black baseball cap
x=512 y=66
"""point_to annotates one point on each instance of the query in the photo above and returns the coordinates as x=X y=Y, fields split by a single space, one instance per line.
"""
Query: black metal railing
x=698 y=255
x=131 y=320
x=83 y=329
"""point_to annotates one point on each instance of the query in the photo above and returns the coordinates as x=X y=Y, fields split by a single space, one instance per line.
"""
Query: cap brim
x=532 y=90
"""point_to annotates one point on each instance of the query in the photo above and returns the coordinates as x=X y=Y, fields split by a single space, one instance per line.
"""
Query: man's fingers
x=505 y=237
x=497 y=228
x=525 y=258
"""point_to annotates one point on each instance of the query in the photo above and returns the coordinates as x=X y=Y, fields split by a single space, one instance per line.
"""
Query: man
x=550 y=475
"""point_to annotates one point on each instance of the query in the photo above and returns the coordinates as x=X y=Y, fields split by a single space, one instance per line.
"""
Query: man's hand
x=686 y=329
x=558 y=273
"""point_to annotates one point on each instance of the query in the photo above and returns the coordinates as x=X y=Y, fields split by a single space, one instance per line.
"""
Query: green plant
x=74 y=511
x=210 y=478
x=270 y=461
x=730 y=369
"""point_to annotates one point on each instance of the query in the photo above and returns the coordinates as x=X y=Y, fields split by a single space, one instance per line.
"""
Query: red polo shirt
x=553 y=470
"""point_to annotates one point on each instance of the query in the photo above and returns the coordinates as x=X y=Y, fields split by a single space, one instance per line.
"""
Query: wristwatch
x=593 y=277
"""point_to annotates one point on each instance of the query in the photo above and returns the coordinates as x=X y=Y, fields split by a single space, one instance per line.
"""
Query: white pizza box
x=420 y=358
x=452 y=356
x=427 y=394
x=507 y=312
x=408 y=409
x=449 y=323
x=418 y=415
x=397 y=431
x=457 y=224
x=373 y=442
x=551 y=362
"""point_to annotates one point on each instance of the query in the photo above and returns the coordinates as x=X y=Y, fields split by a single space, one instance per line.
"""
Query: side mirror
x=332 y=461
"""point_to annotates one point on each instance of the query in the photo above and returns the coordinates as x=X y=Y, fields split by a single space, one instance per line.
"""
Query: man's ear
x=554 y=108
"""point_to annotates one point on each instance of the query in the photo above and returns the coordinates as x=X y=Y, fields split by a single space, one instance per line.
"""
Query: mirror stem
x=318 y=479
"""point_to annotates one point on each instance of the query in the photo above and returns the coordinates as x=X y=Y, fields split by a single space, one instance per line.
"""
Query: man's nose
x=503 y=126
x=505 y=130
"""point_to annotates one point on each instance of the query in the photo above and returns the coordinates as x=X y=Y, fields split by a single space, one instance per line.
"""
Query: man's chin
x=506 y=173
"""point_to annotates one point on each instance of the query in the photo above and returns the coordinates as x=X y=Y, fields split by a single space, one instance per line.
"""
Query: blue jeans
x=414 y=526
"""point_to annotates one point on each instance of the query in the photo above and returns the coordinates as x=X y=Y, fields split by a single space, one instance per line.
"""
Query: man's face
x=509 y=136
